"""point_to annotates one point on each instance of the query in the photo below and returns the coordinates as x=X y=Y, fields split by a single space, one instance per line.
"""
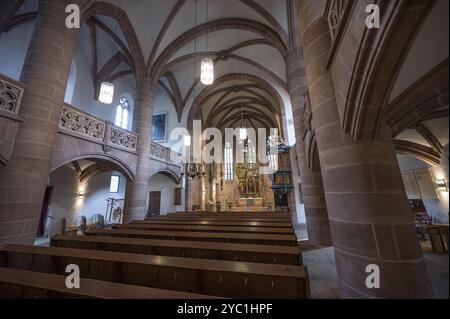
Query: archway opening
x=80 y=194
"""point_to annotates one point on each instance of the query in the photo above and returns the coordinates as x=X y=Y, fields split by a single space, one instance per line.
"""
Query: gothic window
x=229 y=176
x=123 y=113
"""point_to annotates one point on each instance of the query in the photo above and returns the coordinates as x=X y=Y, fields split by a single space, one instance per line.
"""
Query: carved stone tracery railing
x=10 y=95
x=123 y=138
x=162 y=153
x=80 y=123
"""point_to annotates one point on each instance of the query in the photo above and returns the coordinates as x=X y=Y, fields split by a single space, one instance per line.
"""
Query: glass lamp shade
x=243 y=134
x=207 y=71
x=106 y=95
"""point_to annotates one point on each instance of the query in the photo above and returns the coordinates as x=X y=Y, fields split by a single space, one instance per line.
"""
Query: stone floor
x=437 y=265
x=323 y=277
x=321 y=267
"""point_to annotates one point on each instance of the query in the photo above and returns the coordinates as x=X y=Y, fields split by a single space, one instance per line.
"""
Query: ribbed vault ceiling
x=166 y=39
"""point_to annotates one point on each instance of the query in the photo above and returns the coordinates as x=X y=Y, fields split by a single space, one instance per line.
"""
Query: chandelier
x=276 y=144
x=194 y=170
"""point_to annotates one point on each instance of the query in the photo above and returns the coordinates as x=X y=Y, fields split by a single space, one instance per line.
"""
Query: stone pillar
x=197 y=192
x=188 y=194
x=444 y=162
x=193 y=193
x=136 y=204
x=312 y=193
x=368 y=210
x=45 y=74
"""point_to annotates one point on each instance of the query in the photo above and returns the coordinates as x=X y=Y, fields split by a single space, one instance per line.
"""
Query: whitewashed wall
x=436 y=208
x=65 y=202
x=166 y=186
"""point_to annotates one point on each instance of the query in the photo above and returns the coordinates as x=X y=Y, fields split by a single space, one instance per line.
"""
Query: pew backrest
x=263 y=239
x=24 y=284
x=210 y=277
x=270 y=254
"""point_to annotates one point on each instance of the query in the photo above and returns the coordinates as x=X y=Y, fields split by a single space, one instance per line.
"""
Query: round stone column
x=45 y=73
x=312 y=194
x=188 y=195
x=370 y=219
x=136 y=196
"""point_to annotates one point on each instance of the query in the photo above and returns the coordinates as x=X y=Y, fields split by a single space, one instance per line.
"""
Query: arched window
x=123 y=113
x=229 y=176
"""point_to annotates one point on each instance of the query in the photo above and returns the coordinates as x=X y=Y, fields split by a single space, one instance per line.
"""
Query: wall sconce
x=441 y=185
x=81 y=195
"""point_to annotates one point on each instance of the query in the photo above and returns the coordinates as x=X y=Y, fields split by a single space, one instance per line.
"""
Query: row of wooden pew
x=178 y=256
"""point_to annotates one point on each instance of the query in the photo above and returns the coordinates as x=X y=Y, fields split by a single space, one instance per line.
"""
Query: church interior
x=202 y=149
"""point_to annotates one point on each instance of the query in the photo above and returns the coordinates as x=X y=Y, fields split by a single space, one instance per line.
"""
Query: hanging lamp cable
x=195 y=50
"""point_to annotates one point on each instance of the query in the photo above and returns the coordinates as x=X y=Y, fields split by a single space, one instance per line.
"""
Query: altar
x=251 y=202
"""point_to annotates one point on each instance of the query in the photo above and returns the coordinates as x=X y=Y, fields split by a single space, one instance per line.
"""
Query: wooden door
x=44 y=211
x=154 y=202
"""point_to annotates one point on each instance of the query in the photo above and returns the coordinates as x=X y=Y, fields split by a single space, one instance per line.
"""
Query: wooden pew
x=24 y=284
x=231 y=214
x=229 y=219
x=242 y=215
x=210 y=229
x=214 y=223
x=268 y=254
x=200 y=276
x=258 y=239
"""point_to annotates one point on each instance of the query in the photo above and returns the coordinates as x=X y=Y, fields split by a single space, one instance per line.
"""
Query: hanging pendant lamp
x=207 y=71
x=106 y=95
x=207 y=64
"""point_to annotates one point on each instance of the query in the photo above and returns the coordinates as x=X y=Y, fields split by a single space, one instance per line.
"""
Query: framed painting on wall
x=159 y=127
